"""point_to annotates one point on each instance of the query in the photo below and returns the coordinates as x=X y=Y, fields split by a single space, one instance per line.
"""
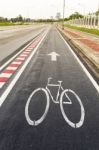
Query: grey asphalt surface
x=12 y=39
x=53 y=133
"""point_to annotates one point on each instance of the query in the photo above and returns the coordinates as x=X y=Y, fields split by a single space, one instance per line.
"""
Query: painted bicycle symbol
x=59 y=100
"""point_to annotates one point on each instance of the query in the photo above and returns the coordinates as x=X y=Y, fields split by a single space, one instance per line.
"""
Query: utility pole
x=63 y=14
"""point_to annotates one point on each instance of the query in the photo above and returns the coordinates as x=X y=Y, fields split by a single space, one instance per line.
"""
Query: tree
x=76 y=15
x=97 y=13
x=20 y=18
x=3 y=19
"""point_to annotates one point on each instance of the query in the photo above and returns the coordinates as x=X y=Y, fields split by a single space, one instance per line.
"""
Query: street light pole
x=63 y=14
x=98 y=14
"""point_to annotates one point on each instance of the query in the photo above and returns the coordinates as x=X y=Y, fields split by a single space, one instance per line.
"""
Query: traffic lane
x=13 y=43
x=15 y=30
x=9 y=45
x=54 y=132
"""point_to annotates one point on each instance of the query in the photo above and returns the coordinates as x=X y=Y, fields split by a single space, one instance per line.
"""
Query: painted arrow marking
x=54 y=56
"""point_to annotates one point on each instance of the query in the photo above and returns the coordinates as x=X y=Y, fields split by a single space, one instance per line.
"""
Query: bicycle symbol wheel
x=73 y=125
x=40 y=120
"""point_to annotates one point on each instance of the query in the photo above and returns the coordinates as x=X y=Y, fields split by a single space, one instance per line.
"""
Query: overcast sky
x=45 y=8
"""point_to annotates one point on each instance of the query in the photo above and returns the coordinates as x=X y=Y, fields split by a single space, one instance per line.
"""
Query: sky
x=45 y=8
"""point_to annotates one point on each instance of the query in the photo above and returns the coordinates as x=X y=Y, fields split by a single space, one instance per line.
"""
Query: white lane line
x=1 y=84
x=95 y=84
x=11 y=68
x=11 y=85
x=17 y=62
x=5 y=75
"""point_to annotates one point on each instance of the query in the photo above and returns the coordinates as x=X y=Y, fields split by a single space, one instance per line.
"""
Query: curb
x=92 y=65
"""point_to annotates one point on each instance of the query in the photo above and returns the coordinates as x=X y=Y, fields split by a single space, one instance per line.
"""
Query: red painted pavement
x=87 y=42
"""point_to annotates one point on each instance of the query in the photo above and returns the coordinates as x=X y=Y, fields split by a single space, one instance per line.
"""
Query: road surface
x=30 y=93
x=11 y=38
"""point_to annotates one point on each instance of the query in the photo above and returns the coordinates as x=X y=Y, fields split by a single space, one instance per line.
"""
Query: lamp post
x=63 y=14
x=98 y=14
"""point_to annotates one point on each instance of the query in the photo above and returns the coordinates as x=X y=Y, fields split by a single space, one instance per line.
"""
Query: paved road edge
x=80 y=52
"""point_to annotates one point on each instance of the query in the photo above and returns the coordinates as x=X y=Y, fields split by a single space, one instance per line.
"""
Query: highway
x=49 y=100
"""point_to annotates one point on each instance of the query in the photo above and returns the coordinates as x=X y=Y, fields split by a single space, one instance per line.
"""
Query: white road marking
x=20 y=58
x=1 y=84
x=23 y=55
x=60 y=101
x=95 y=84
x=37 y=122
x=26 y=52
x=17 y=62
x=81 y=121
x=53 y=56
x=11 y=85
x=11 y=68
x=5 y=75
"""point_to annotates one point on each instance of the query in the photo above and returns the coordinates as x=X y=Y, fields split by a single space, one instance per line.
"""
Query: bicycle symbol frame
x=48 y=94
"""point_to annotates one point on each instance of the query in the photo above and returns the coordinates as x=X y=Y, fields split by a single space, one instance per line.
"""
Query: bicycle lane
x=54 y=132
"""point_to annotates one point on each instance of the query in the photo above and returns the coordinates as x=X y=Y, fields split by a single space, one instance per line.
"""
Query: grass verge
x=6 y=24
x=83 y=29
x=13 y=24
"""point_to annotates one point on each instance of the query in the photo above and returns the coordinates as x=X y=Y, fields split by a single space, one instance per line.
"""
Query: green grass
x=13 y=24
x=92 y=31
x=6 y=24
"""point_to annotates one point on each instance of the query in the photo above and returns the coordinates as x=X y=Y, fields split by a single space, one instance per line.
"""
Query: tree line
x=19 y=18
x=16 y=19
